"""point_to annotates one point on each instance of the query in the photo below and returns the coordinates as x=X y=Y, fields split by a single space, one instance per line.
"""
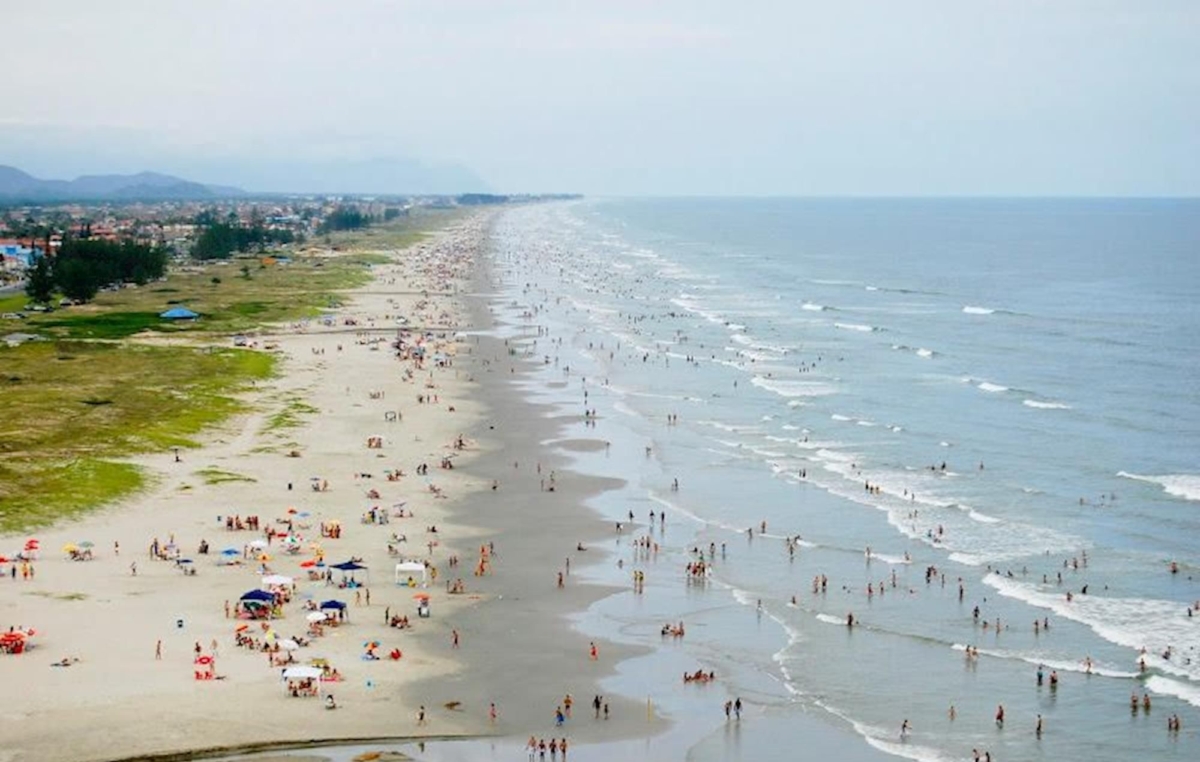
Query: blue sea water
x=1047 y=352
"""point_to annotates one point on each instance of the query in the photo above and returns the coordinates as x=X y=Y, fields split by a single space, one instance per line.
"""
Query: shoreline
x=112 y=688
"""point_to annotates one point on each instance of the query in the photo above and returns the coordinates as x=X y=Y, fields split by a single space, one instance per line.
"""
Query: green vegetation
x=83 y=266
x=220 y=240
x=75 y=405
x=214 y=475
x=289 y=416
x=276 y=293
x=345 y=218
x=71 y=406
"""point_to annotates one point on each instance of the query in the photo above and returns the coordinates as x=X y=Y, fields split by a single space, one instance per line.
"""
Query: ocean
x=940 y=406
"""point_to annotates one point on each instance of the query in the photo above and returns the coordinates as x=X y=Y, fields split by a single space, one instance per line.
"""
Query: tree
x=76 y=279
x=40 y=286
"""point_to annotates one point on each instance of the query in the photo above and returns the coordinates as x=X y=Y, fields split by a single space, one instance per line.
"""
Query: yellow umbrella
x=264 y=557
x=70 y=547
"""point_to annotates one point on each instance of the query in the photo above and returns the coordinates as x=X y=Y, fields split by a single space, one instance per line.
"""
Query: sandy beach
x=128 y=625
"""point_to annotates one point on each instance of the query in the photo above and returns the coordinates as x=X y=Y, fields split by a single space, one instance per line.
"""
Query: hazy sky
x=893 y=97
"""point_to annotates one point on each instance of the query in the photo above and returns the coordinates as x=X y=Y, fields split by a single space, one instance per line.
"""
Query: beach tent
x=303 y=673
x=333 y=605
x=276 y=580
x=179 y=313
x=259 y=595
x=348 y=566
x=406 y=569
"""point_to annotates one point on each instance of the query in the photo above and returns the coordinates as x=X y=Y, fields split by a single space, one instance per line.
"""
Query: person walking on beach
x=593 y=652
x=421 y=716
x=737 y=708
x=454 y=638
x=492 y=713
x=133 y=569
x=1038 y=728
x=728 y=709
x=596 y=705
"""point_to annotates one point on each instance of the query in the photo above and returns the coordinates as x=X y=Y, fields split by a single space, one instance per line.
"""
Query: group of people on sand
x=699 y=676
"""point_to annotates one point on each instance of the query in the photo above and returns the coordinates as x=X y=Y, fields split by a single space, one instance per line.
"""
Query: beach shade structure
x=292 y=674
x=70 y=547
x=231 y=552
x=259 y=595
x=87 y=544
x=316 y=616
x=273 y=580
x=348 y=566
x=407 y=570
x=258 y=543
x=333 y=604
x=179 y=313
x=310 y=563
x=287 y=644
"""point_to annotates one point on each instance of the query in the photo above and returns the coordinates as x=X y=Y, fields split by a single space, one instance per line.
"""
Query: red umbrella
x=308 y=564
x=31 y=545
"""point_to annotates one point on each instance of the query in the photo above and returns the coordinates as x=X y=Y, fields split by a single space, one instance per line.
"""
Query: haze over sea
x=1045 y=351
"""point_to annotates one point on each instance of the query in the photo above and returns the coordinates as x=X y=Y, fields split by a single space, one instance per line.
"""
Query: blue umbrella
x=258 y=595
x=348 y=566
x=333 y=605
x=230 y=552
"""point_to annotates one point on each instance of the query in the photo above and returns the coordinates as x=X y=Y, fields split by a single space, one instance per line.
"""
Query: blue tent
x=179 y=313
x=348 y=566
x=333 y=605
x=258 y=595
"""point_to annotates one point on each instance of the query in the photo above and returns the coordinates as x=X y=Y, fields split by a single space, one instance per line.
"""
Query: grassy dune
x=95 y=392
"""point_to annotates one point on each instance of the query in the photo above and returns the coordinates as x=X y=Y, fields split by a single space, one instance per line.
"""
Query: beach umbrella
x=230 y=552
x=241 y=628
x=70 y=547
x=421 y=597
x=291 y=511
x=308 y=564
x=304 y=514
x=258 y=543
x=316 y=616
x=87 y=544
x=287 y=644
x=348 y=566
x=333 y=604
x=258 y=595
x=371 y=644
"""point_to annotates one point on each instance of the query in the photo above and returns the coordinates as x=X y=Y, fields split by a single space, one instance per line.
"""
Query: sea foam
x=1186 y=486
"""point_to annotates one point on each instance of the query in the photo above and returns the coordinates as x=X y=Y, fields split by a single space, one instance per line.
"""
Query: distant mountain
x=16 y=185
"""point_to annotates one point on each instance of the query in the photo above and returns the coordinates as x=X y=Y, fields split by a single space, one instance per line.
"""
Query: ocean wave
x=791 y=388
x=830 y=619
x=1186 y=486
x=1135 y=623
x=856 y=327
x=812 y=307
x=926 y=353
x=988 y=386
x=1180 y=690
x=1056 y=664
x=883 y=739
x=969 y=310
x=1046 y=405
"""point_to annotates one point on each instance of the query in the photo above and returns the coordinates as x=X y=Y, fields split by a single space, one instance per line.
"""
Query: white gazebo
x=409 y=569
x=303 y=673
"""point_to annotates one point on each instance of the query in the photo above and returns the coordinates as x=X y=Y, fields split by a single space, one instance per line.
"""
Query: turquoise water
x=1046 y=351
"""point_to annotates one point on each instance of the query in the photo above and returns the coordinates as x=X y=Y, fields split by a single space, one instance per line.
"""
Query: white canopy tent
x=303 y=673
x=406 y=569
x=276 y=580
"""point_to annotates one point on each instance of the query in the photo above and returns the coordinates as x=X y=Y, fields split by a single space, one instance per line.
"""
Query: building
x=17 y=255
